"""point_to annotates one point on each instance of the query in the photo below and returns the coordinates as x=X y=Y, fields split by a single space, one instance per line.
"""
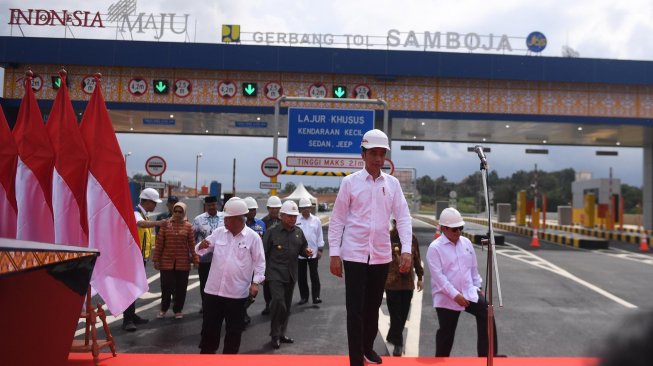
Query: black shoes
x=266 y=311
x=276 y=341
x=129 y=326
x=398 y=351
x=373 y=357
x=317 y=300
x=247 y=319
x=302 y=301
x=138 y=320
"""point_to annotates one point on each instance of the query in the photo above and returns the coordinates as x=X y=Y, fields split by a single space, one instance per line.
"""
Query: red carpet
x=133 y=359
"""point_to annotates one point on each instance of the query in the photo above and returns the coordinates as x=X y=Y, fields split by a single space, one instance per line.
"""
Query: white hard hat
x=150 y=194
x=375 y=138
x=305 y=202
x=235 y=207
x=274 y=202
x=450 y=217
x=234 y=198
x=251 y=202
x=289 y=208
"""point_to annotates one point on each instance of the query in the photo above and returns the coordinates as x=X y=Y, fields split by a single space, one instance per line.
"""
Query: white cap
x=251 y=202
x=150 y=194
x=289 y=208
x=305 y=202
x=375 y=138
x=450 y=217
x=235 y=207
x=274 y=202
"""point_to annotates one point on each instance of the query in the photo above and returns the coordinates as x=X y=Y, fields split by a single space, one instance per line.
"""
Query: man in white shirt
x=359 y=242
x=456 y=285
x=312 y=228
x=238 y=266
x=203 y=225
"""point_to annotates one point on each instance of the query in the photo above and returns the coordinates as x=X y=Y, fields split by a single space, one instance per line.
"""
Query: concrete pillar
x=439 y=206
x=503 y=212
x=647 y=187
x=564 y=215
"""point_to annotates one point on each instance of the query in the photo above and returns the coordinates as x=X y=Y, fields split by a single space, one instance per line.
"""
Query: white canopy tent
x=301 y=192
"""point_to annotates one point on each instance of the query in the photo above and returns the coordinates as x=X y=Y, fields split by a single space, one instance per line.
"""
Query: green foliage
x=141 y=178
x=556 y=185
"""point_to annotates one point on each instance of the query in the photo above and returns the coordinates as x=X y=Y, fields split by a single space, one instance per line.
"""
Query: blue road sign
x=331 y=131
x=158 y=121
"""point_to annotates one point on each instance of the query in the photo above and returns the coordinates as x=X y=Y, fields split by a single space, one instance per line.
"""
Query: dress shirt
x=359 y=222
x=235 y=259
x=203 y=226
x=312 y=228
x=454 y=270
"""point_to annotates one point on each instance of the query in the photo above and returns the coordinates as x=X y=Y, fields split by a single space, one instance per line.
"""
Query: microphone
x=481 y=155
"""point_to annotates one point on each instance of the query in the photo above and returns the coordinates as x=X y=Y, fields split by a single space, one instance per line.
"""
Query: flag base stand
x=90 y=342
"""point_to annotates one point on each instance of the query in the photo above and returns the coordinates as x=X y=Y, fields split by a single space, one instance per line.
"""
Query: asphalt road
x=557 y=301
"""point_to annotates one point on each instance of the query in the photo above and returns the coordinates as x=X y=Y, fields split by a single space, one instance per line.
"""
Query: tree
x=289 y=188
x=141 y=178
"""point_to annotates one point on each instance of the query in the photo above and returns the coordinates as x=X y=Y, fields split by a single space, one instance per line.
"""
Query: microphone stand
x=491 y=267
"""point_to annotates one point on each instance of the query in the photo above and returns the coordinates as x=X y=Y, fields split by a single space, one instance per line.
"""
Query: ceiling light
x=580 y=128
x=172 y=116
x=414 y=137
x=131 y=128
x=544 y=141
x=207 y=131
x=507 y=126
x=483 y=139
x=618 y=143
x=258 y=118
x=423 y=123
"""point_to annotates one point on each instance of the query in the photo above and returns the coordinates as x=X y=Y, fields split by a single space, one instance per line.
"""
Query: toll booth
x=605 y=192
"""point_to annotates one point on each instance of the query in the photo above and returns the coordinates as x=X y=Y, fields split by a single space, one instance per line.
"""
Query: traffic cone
x=437 y=232
x=643 y=243
x=535 y=241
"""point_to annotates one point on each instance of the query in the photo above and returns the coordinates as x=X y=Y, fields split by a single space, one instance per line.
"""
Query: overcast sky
x=594 y=28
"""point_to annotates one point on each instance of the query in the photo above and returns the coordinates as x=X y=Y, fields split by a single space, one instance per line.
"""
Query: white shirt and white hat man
x=312 y=228
x=359 y=242
x=238 y=266
x=456 y=284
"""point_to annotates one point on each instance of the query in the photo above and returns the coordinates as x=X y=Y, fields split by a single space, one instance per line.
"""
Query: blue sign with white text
x=159 y=121
x=330 y=131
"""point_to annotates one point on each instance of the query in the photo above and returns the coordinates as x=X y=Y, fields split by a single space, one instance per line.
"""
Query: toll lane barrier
x=315 y=173
x=570 y=239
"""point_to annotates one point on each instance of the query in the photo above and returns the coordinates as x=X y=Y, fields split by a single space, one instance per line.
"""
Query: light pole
x=126 y=156
x=197 y=164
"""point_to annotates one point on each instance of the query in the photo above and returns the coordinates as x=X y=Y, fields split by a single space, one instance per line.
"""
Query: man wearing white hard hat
x=237 y=268
x=257 y=225
x=359 y=243
x=456 y=285
x=272 y=218
x=282 y=244
x=312 y=228
x=149 y=197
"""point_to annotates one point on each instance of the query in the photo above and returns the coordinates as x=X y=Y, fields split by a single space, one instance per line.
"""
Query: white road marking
x=145 y=296
x=524 y=256
x=624 y=254
x=411 y=342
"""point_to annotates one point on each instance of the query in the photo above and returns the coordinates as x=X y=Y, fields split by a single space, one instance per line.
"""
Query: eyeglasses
x=454 y=229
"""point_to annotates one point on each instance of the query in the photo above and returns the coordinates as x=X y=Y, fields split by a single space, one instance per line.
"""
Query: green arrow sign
x=160 y=87
x=56 y=82
x=250 y=89
x=339 y=91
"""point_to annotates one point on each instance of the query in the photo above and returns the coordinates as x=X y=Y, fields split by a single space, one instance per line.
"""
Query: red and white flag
x=70 y=172
x=119 y=274
x=34 y=172
x=8 y=161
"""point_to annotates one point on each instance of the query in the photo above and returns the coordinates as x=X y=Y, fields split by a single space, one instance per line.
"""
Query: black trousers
x=364 y=285
x=267 y=295
x=173 y=286
x=203 y=272
x=130 y=313
x=448 y=320
x=216 y=310
x=281 y=293
x=302 y=281
x=398 y=302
